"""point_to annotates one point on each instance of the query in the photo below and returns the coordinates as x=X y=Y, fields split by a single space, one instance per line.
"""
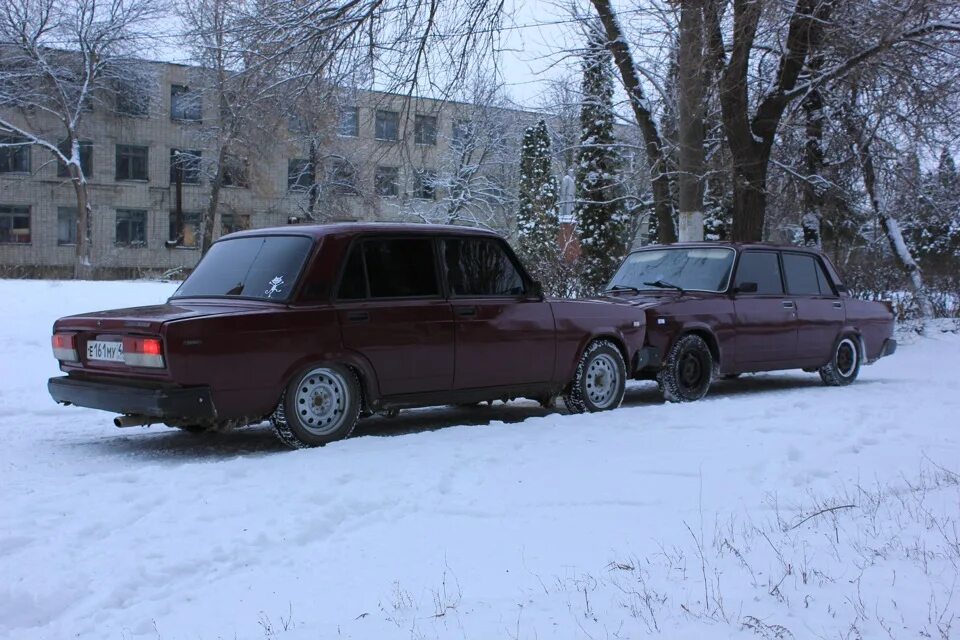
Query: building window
x=14 y=159
x=300 y=174
x=424 y=184
x=386 y=181
x=387 y=125
x=230 y=222
x=425 y=130
x=131 y=99
x=342 y=178
x=190 y=235
x=235 y=172
x=349 y=122
x=86 y=159
x=185 y=104
x=131 y=228
x=185 y=166
x=132 y=162
x=66 y=225
x=461 y=132
x=14 y=225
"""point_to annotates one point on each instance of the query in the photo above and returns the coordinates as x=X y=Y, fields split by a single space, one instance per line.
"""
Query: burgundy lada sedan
x=314 y=326
x=727 y=309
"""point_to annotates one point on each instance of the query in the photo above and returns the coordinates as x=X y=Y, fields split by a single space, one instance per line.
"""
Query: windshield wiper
x=663 y=285
x=621 y=287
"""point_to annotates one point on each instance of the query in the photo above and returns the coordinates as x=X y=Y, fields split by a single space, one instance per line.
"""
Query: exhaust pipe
x=133 y=421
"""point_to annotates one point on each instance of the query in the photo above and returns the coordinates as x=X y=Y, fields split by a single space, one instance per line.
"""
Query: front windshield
x=252 y=267
x=689 y=269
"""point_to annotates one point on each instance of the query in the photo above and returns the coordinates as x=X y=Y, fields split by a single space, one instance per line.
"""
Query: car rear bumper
x=156 y=402
x=888 y=349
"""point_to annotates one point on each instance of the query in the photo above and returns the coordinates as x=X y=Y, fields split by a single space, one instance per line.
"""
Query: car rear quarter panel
x=873 y=321
x=578 y=323
x=247 y=358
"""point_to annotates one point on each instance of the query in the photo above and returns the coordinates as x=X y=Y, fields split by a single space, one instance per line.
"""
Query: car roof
x=356 y=228
x=726 y=244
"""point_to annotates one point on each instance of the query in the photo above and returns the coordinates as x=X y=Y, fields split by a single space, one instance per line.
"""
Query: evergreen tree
x=934 y=231
x=538 y=227
x=601 y=217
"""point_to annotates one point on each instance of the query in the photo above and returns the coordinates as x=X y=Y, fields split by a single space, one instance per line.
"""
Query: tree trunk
x=313 y=196
x=83 y=264
x=210 y=215
x=892 y=230
x=653 y=144
x=691 y=114
x=749 y=198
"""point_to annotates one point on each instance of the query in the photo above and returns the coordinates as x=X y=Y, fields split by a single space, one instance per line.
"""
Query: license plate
x=109 y=351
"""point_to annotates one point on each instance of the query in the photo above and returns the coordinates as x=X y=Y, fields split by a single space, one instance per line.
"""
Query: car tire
x=844 y=366
x=599 y=381
x=688 y=370
x=320 y=405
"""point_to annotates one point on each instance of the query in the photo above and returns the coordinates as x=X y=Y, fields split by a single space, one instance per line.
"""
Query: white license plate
x=109 y=351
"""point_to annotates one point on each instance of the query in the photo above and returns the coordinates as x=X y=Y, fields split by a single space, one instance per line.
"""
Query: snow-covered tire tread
x=667 y=378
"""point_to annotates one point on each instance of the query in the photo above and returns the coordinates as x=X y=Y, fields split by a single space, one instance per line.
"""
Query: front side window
x=480 y=267
x=186 y=231
x=387 y=125
x=131 y=228
x=132 y=162
x=66 y=225
x=425 y=130
x=185 y=105
x=690 y=269
x=14 y=159
x=14 y=225
x=386 y=181
x=86 y=158
x=265 y=267
x=348 y=123
x=762 y=267
x=400 y=268
x=185 y=166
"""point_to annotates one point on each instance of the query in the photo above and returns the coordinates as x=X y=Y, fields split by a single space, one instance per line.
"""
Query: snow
x=496 y=522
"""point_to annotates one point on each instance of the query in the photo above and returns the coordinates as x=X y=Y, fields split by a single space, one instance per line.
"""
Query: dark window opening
x=300 y=174
x=762 y=267
x=185 y=105
x=86 y=158
x=131 y=228
x=387 y=125
x=386 y=181
x=185 y=165
x=132 y=162
x=191 y=229
x=401 y=268
x=66 y=226
x=14 y=225
x=349 y=122
x=425 y=130
x=14 y=159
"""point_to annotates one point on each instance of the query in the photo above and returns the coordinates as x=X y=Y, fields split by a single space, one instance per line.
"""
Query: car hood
x=645 y=299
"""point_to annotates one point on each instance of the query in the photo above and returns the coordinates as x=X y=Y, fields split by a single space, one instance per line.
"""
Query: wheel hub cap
x=602 y=381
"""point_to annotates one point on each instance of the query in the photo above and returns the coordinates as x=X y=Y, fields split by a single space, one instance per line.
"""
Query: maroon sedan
x=727 y=309
x=315 y=326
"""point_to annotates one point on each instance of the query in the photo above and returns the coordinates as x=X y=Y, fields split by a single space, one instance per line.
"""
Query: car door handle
x=788 y=304
x=838 y=305
x=358 y=316
x=466 y=311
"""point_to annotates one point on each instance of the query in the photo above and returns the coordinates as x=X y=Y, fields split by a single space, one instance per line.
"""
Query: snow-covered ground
x=775 y=508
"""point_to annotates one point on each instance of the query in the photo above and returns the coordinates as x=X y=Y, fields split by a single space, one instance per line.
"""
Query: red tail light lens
x=143 y=352
x=65 y=347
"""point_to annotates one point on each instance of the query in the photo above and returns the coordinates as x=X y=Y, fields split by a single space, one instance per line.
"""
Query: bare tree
x=59 y=60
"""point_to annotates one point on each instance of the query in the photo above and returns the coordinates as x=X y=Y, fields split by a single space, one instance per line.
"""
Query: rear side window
x=254 y=267
x=480 y=267
x=801 y=272
x=825 y=288
x=353 y=285
x=762 y=267
x=400 y=268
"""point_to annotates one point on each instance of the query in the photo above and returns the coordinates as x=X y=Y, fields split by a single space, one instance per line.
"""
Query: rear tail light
x=143 y=352
x=65 y=347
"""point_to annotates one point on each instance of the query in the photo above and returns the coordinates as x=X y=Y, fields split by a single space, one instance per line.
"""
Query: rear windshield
x=263 y=267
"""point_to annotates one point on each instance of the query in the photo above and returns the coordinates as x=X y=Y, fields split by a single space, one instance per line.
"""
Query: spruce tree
x=538 y=227
x=601 y=217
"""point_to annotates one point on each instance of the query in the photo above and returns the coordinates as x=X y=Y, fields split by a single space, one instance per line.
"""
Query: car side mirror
x=536 y=290
x=746 y=287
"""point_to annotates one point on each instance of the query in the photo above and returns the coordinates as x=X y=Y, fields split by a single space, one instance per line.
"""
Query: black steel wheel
x=688 y=370
x=844 y=366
